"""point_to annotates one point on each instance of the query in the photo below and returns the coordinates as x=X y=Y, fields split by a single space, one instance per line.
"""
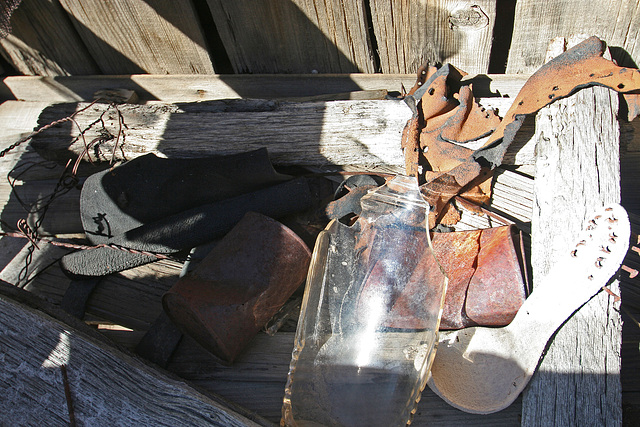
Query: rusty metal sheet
x=486 y=280
x=497 y=289
x=239 y=285
x=457 y=254
x=578 y=67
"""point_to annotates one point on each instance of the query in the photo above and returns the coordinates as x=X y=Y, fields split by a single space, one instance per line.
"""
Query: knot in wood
x=468 y=17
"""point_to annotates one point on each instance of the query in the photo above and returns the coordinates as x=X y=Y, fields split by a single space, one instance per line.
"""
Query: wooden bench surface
x=578 y=382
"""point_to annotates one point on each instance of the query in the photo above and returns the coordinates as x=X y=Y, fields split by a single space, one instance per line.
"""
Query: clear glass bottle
x=368 y=327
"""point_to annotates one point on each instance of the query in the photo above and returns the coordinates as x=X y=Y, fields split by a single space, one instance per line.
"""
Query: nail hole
x=431 y=91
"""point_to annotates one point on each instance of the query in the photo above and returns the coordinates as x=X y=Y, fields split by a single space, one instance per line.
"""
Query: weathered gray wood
x=126 y=37
x=18 y=119
x=411 y=33
x=537 y=22
x=32 y=201
x=315 y=133
x=577 y=170
x=108 y=387
x=339 y=133
x=295 y=36
x=193 y=88
x=43 y=42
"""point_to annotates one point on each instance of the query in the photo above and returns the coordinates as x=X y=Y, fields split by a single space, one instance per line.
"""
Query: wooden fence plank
x=364 y=134
x=577 y=171
x=537 y=22
x=43 y=42
x=410 y=33
x=136 y=36
x=174 y=88
x=107 y=386
x=294 y=36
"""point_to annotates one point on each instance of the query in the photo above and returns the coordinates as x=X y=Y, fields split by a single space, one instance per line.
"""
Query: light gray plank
x=194 y=88
x=108 y=387
x=577 y=170
x=411 y=33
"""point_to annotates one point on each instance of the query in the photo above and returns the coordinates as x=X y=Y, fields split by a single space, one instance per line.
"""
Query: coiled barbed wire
x=66 y=182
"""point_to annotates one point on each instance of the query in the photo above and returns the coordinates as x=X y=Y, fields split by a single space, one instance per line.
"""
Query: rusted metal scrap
x=444 y=115
x=486 y=269
x=239 y=285
x=487 y=280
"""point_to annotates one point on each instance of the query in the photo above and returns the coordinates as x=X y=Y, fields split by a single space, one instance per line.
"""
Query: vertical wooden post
x=577 y=169
x=410 y=33
x=294 y=36
x=43 y=42
x=128 y=37
x=538 y=21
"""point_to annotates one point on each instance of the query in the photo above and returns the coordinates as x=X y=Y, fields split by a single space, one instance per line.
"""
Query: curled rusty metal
x=486 y=276
x=239 y=285
x=445 y=115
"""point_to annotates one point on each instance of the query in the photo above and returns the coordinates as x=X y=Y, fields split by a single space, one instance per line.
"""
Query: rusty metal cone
x=239 y=285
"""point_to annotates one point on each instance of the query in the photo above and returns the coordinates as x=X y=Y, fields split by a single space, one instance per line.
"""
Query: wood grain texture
x=266 y=362
x=577 y=170
x=339 y=133
x=137 y=36
x=43 y=42
x=193 y=88
x=411 y=33
x=108 y=387
x=310 y=133
x=537 y=22
x=294 y=36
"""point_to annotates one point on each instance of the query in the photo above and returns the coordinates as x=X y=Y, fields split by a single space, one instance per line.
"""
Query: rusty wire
x=25 y=232
x=66 y=182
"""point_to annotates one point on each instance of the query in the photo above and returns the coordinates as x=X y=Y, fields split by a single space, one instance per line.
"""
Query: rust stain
x=446 y=117
x=486 y=281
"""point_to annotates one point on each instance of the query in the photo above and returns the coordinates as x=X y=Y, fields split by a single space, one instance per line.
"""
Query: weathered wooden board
x=294 y=36
x=243 y=383
x=364 y=134
x=193 y=88
x=314 y=133
x=43 y=42
x=577 y=170
x=537 y=22
x=107 y=386
x=412 y=33
x=136 y=36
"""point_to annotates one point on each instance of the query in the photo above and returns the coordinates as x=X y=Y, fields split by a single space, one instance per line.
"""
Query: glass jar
x=367 y=331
